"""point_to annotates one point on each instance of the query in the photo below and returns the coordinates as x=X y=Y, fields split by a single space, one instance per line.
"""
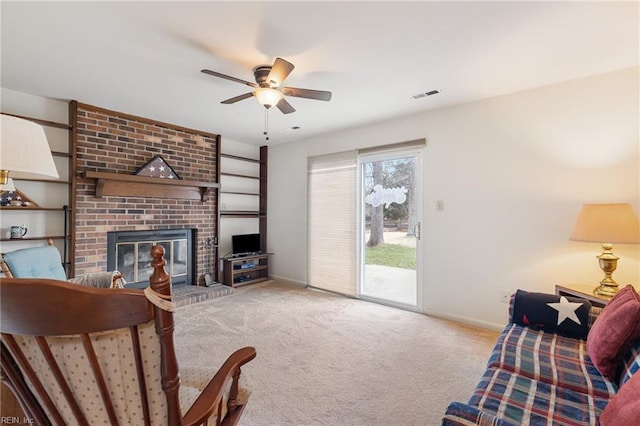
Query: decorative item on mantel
x=16 y=198
x=157 y=167
x=607 y=224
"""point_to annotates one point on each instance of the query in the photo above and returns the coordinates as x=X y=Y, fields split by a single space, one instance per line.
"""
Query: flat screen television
x=245 y=244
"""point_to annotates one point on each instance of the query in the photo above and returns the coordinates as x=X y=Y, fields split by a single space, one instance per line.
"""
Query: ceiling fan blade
x=279 y=72
x=237 y=98
x=285 y=107
x=228 y=77
x=319 y=95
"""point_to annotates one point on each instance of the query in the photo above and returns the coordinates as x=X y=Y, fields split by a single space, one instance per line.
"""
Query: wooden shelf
x=239 y=193
x=16 y=208
x=64 y=182
x=42 y=122
x=55 y=209
x=49 y=237
x=115 y=184
x=237 y=157
x=241 y=213
x=241 y=176
x=65 y=158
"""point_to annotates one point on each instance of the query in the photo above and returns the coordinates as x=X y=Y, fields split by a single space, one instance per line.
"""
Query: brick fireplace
x=113 y=142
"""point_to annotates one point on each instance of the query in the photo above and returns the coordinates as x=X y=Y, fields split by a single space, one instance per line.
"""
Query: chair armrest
x=210 y=398
x=459 y=414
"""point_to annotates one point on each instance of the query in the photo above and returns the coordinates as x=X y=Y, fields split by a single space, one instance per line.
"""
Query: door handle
x=417 y=231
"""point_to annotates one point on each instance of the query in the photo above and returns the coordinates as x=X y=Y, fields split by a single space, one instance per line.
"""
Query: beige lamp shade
x=607 y=223
x=24 y=150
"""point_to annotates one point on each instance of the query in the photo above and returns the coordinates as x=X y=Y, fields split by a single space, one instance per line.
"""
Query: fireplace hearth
x=130 y=253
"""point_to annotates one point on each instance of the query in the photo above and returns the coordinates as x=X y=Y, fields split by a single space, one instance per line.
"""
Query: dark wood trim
x=119 y=184
x=144 y=120
x=264 y=151
x=73 y=174
x=216 y=242
x=60 y=154
x=40 y=121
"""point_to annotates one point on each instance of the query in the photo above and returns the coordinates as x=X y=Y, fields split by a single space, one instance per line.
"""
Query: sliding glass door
x=390 y=205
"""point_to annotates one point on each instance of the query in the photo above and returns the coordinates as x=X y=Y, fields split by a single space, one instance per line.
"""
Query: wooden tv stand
x=243 y=270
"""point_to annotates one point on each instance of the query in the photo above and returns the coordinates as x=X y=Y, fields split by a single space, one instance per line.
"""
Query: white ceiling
x=145 y=58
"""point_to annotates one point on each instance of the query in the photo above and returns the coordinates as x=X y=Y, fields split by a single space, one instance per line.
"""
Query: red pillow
x=624 y=408
x=614 y=332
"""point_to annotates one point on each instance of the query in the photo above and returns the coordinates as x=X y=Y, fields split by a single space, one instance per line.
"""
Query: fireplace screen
x=130 y=253
x=134 y=259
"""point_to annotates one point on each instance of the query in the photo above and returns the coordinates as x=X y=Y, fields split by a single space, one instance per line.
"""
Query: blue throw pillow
x=568 y=316
x=36 y=262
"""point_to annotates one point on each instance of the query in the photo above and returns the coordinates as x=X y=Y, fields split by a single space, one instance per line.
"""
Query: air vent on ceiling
x=425 y=94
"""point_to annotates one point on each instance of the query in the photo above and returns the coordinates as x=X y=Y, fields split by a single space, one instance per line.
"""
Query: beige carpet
x=330 y=360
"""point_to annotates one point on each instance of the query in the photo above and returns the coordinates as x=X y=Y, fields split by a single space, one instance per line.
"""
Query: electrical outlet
x=504 y=296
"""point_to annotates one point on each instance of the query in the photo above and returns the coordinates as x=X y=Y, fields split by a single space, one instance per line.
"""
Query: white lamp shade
x=24 y=150
x=267 y=97
x=607 y=223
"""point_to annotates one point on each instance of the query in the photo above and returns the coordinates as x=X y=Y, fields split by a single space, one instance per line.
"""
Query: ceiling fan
x=268 y=87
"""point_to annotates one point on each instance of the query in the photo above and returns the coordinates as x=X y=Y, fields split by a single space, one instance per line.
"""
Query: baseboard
x=468 y=321
x=288 y=280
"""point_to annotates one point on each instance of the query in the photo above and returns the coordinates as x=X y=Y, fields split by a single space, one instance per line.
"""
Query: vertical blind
x=332 y=222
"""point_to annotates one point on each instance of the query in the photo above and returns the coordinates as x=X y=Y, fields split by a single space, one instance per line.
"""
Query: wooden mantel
x=117 y=184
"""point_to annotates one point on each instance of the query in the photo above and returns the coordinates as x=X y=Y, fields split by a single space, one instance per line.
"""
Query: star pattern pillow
x=568 y=316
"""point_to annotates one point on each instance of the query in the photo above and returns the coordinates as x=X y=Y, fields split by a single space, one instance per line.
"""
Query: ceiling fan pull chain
x=266 y=124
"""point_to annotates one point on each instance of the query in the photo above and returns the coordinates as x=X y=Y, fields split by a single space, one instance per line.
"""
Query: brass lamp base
x=4 y=177
x=606 y=290
x=608 y=263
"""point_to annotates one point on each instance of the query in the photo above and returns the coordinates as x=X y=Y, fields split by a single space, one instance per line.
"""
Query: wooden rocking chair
x=86 y=356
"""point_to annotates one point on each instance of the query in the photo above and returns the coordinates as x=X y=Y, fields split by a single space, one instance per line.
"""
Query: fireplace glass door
x=130 y=253
x=134 y=259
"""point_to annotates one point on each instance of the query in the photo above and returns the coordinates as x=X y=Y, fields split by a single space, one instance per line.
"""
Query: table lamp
x=24 y=150
x=607 y=224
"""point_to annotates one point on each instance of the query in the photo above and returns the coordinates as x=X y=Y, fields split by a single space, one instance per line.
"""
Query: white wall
x=513 y=172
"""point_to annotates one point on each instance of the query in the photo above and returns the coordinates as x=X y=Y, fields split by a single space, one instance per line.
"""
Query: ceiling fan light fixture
x=267 y=97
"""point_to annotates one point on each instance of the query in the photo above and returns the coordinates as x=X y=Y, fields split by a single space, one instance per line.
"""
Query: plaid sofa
x=536 y=377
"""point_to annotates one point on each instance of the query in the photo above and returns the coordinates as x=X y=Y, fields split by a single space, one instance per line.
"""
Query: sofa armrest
x=113 y=279
x=459 y=414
